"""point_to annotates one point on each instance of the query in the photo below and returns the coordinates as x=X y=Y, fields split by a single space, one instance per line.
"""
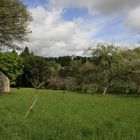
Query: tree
x=12 y=65
x=130 y=69
x=25 y=52
x=69 y=84
x=105 y=56
x=64 y=60
x=14 y=20
x=37 y=71
x=88 y=75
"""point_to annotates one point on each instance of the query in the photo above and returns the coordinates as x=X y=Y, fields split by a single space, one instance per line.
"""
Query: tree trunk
x=66 y=91
x=105 y=90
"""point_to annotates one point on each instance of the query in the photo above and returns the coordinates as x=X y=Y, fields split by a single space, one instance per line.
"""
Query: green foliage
x=25 y=52
x=60 y=116
x=55 y=66
x=115 y=65
x=110 y=69
x=64 y=60
x=106 y=57
x=12 y=65
x=89 y=88
x=125 y=87
x=38 y=71
x=70 y=84
x=14 y=20
x=34 y=65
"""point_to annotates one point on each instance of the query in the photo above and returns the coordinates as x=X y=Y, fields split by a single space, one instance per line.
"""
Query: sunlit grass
x=71 y=116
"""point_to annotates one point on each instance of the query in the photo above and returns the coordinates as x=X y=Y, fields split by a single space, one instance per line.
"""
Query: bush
x=121 y=86
x=89 y=88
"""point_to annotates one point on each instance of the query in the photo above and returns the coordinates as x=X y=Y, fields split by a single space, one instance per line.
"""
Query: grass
x=60 y=116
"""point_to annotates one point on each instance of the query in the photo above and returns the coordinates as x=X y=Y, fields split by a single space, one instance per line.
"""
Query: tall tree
x=14 y=20
x=105 y=56
x=130 y=69
x=37 y=71
x=25 y=52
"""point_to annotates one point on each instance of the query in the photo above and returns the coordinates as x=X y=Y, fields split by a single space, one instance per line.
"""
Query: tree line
x=109 y=69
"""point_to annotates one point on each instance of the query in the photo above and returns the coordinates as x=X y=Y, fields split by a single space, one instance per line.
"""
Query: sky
x=70 y=27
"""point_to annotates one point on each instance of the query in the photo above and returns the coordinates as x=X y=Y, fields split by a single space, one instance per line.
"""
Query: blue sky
x=34 y=3
x=90 y=22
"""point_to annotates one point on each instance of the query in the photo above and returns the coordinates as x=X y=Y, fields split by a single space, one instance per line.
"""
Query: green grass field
x=60 y=116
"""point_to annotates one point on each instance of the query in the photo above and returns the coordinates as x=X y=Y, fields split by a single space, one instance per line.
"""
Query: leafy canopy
x=12 y=65
x=14 y=20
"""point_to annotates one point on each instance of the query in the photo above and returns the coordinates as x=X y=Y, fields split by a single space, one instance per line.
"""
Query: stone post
x=4 y=83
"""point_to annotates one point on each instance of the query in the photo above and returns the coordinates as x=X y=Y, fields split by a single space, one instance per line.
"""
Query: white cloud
x=133 y=19
x=107 y=7
x=53 y=36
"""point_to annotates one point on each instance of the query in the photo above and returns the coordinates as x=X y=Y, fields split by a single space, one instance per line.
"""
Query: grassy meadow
x=60 y=116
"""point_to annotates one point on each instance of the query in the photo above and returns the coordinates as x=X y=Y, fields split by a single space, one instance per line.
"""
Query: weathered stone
x=4 y=83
